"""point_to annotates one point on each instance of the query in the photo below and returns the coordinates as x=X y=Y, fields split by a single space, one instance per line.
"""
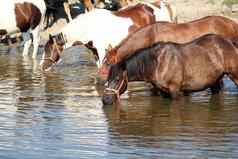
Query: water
x=59 y=115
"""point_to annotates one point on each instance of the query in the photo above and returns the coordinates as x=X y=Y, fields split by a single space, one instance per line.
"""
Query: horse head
x=116 y=84
x=52 y=50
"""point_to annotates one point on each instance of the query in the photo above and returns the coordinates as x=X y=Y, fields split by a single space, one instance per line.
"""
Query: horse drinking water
x=176 y=68
x=24 y=16
x=100 y=26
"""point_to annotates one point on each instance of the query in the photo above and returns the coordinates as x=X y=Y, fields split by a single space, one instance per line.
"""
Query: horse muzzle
x=108 y=99
x=46 y=65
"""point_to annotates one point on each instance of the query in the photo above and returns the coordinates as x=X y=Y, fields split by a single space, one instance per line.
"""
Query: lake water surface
x=59 y=115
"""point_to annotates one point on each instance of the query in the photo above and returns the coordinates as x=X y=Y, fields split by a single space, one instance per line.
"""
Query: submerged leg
x=217 y=86
x=155 y=90
x=174 y=91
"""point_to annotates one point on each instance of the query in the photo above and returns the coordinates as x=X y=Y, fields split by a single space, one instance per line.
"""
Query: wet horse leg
x=217 y=86
x=27 y=43
x=155 y=90
x=36 y=40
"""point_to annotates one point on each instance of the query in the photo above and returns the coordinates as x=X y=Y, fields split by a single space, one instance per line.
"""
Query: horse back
x=207 y=56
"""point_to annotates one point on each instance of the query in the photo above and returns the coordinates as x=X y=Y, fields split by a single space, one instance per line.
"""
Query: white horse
x=104 y=28
x=24 y=16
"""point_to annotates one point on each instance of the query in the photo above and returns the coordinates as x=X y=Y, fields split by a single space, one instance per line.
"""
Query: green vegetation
x=228 y=3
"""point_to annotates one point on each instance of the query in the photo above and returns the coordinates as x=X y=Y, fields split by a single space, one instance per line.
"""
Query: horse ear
x=109 y=47
x=90 y=43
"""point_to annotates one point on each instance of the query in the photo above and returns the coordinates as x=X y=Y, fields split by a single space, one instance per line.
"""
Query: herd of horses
x=140 y=42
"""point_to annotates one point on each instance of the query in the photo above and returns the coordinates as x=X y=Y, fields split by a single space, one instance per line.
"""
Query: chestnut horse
x=168 y=32
x=177 y=68
x=100 y=26
x=26 y=16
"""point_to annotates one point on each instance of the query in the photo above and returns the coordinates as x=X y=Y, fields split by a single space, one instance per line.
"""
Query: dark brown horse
x=177 y=68
x=168 y=32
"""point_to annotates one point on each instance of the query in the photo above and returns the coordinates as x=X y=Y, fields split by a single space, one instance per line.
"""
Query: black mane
x=141 y=62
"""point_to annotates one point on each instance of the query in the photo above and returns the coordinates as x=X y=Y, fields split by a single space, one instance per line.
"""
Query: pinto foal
x=176 y=68
x=24 y=16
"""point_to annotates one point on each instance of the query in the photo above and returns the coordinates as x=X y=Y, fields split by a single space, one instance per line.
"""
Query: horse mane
x=60 y=39
x=142 y=61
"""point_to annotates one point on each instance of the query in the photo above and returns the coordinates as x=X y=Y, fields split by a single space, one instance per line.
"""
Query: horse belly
x=202 y=78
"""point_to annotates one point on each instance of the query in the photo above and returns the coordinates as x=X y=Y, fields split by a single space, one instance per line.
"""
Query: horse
x=89 y=27
x=175 y=68
x=24 y=16
x=167 y=32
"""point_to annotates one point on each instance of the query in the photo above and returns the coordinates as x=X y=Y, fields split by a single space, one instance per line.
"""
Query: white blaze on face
x=100 y=26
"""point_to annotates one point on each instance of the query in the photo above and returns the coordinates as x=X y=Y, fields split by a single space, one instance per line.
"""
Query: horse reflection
x=154 y=120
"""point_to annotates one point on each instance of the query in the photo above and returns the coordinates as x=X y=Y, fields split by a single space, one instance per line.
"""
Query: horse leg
x=67 y=10
x=27 y=43
x=88 y=4
x=155 y=90
x=217 y=86
x=174 y=91
x=36 y=40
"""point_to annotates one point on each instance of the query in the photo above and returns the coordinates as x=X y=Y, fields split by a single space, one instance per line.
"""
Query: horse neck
x=140 y=67
x=75 y=30
x=136 y=41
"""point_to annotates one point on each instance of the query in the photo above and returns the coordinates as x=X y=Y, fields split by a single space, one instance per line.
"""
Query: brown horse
x=177 y=68
x=168 y=32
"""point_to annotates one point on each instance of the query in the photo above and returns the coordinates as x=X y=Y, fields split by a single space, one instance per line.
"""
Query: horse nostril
x=107 y=100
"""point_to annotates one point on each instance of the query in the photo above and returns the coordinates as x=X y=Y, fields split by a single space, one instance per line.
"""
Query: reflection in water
x=155 y=127
x=59 y=114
